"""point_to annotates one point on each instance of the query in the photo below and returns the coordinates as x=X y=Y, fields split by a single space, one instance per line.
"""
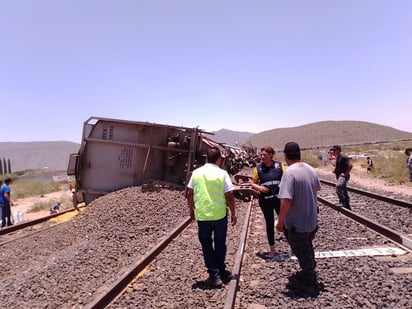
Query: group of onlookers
x=288 y=190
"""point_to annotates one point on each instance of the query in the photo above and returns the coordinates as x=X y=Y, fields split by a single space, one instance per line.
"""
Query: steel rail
x=373 y=195
x=395 y=236
x=31 y=233
x=108 y=293
x=19 y=226
x=234 y=283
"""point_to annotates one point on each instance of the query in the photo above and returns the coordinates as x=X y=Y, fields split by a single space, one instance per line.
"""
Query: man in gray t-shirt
x=298 y=217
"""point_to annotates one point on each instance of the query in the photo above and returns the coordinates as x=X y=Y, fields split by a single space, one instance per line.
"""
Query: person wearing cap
x=408 y=152
x=5 y=203
x=266 y=179
x=298 y=217
x=209 y=193
x=343 y=166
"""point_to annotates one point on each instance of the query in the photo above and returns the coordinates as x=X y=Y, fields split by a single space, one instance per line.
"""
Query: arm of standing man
x=190 y=203
x=6 y=195
x=348 y=169
x=284 y=209
x=230 y=202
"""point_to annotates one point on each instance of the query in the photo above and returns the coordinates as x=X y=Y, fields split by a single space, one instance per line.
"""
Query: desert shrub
x=392 y=168
x=311 y=158
x=39 y=206
x=65 y=201
x=28 y=188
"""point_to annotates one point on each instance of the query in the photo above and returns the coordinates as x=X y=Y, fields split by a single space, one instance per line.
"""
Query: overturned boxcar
x=115 y=154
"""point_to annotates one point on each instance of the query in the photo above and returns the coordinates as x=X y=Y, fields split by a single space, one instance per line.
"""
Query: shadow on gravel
x=298 y=290
x=296 y=294
x=278 y=257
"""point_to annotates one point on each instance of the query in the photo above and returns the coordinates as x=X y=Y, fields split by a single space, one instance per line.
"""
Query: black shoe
x=262 y=255
x=226 y=276
x=214 y=282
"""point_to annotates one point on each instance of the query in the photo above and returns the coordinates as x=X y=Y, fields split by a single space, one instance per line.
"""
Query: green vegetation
x=312 y=158
x=27 y=188
x=40 y=206
x=389 y=160
x=27 y=184
x=29 y=172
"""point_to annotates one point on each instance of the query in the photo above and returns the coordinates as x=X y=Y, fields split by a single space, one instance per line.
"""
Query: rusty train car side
x=115 y=154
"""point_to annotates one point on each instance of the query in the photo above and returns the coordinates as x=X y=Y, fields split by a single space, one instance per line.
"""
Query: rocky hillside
x=55 y=155
x=230 y=137
x=37 y=155
x=326 y=133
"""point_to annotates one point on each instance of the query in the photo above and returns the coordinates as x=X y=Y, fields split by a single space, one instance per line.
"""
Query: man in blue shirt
x=5 y=203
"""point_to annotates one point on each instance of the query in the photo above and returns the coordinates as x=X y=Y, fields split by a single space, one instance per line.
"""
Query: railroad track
x=27 y=228
x=231 y=301
x=169 y=270
x=389 y=216
x=331 y=185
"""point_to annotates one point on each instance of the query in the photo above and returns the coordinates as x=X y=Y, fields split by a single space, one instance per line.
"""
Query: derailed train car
x=116 y=154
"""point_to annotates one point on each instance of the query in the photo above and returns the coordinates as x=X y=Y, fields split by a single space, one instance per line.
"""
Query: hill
x=55 y=155
x=327 y=133
x=230 y=137
x=37 y=155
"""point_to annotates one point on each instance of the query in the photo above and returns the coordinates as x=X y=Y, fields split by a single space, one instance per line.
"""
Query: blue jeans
x=5 y=214
x=342 y=191
x=212 y=237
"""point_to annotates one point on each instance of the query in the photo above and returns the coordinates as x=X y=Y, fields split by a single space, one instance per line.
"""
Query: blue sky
x=241 y=65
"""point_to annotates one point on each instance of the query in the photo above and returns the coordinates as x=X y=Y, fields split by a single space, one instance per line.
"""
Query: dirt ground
x=361 y=177
x=24 y=205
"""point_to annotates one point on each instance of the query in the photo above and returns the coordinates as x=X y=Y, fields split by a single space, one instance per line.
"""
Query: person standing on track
x=5 y=203
x=298 y=217
x=266 y=179
x=408 y=152
x=209 y=193
x=343 y=166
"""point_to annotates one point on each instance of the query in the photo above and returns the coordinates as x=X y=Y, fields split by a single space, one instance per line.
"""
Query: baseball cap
x=291 y=148
x=336 y=147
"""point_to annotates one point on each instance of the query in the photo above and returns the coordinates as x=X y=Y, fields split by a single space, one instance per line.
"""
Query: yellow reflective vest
x=208 y=193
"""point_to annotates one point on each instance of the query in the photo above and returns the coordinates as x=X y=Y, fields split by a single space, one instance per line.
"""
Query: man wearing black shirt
x=342 y=170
